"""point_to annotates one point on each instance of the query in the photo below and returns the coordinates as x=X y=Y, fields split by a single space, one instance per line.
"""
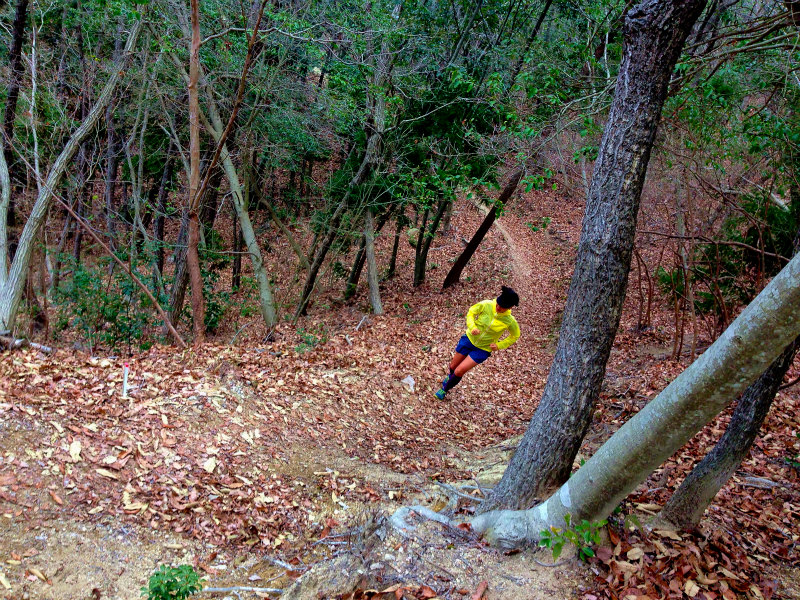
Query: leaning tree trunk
x=355 y=270
x=686 y=506
x=461 y=262
x=655 y=31
x=371 y=158
x=744 y=350
x=401 y=217
x=11 y=292
x=372 y=267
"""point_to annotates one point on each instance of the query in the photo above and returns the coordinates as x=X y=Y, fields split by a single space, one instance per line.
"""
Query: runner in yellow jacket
x=487 y=321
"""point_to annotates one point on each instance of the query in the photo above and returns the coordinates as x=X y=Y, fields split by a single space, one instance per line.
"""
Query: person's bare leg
x=457 y=360
x=464 y=366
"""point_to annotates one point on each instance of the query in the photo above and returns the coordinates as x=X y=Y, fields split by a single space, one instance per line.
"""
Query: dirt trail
x=299 y=434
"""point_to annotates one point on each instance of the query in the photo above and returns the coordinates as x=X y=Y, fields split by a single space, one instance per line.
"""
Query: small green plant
x=542 y=225
x=172 y=583
x=104 y=306
x=583 y=536
x=311 y=339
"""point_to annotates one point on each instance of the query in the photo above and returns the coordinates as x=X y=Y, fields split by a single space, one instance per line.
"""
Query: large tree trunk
x=655 y=31
x=15 y=60
x=461 y=262
x=753 y=341
x=207 y=214
x=686 y=506
x=372 y=267
x=11 y=292
x=192 y=250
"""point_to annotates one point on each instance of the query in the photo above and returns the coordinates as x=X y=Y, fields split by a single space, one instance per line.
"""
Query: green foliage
x=541 y=226
x=582 y=535
x=310 y=339
x=173 y=583
x=339 y=270
x=212 y=261
x=725 y=271
x=106 y=308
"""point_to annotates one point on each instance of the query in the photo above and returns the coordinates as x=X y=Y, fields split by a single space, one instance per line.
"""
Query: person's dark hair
x=508 y=298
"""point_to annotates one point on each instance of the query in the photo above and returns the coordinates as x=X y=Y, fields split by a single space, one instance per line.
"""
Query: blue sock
x=452 y=382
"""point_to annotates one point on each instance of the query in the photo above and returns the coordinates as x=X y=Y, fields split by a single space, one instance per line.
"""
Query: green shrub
x=583 y=536
x=105 y=308
x=173 y=583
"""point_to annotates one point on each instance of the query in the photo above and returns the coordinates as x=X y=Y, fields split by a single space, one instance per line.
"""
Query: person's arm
x=513 y=336
x=472 y=313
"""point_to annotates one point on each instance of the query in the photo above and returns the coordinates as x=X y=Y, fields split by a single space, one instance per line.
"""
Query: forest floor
x=257 y=460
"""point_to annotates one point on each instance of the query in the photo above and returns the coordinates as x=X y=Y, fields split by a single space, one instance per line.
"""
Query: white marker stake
x=125 y=381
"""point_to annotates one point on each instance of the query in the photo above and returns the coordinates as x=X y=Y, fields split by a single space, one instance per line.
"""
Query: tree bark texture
x=655 y=31
x=180 y=279
x=372 y=267
x=11 y=292
x=15 y=60
x=461 y=262
x=193 y=248
x=745 y=349
x=686 y=506
x=5 y=199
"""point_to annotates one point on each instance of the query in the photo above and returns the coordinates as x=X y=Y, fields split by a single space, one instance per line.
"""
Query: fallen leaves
x=697 y=567
x=75 y=450
x=107 y=473
x=210 y=464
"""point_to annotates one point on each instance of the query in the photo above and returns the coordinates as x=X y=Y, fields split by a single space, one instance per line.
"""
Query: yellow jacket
x=484 y=316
